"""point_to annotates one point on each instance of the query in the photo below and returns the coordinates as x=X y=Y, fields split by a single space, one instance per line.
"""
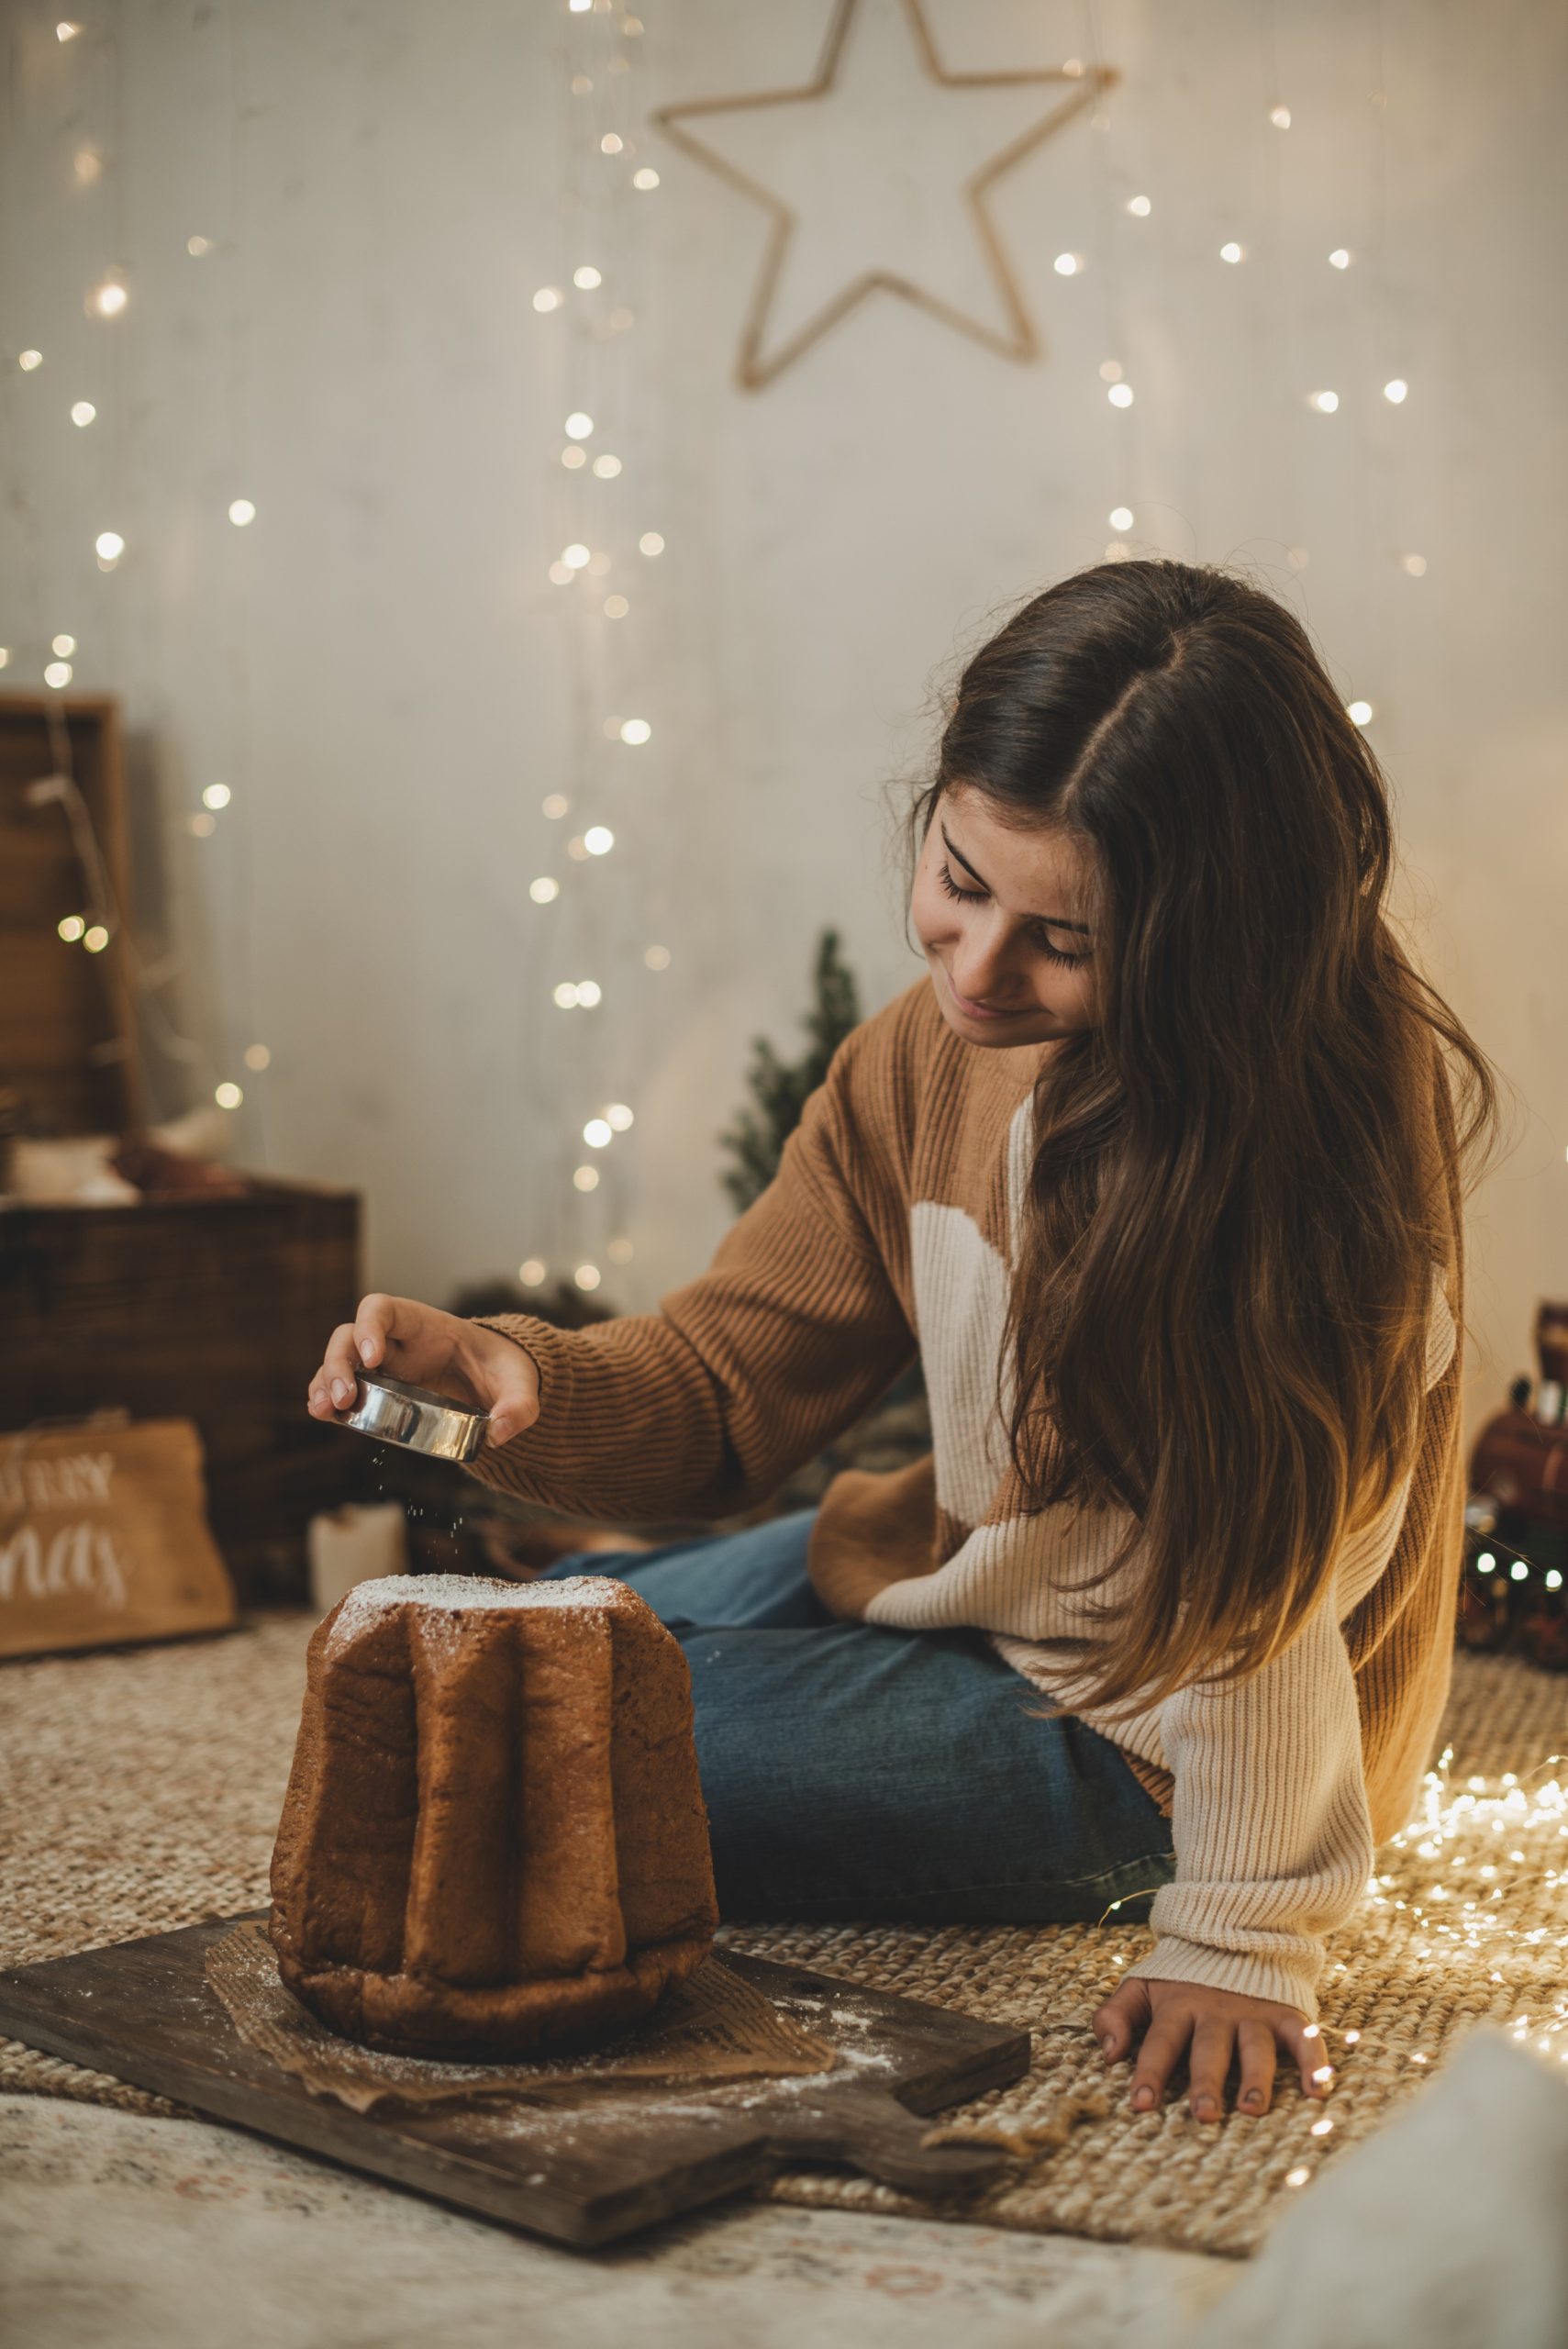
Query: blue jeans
x=854 y=1771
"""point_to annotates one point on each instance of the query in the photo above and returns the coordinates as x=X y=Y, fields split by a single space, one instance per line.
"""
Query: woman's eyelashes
x=976 y=896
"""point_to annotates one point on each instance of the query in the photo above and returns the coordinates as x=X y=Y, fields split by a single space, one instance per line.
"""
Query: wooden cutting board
x=144 y=2011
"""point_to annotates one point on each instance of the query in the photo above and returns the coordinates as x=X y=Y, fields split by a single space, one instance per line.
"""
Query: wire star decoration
x=755 y=366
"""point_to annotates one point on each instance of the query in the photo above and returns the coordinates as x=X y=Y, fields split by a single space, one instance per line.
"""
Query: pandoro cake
x=493 y=1838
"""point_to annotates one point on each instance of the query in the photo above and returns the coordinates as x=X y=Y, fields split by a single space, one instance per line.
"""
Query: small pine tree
x=779 y=1088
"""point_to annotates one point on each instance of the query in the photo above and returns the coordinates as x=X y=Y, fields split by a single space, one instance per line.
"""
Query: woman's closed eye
x=978 y=896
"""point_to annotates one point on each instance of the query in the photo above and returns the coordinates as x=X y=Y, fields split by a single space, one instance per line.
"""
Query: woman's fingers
x=1259 y=2058
x=332 y=1388
x=1116 y=2024
x=374 y=1324
x=1164 y=2042
x=1208 y=2066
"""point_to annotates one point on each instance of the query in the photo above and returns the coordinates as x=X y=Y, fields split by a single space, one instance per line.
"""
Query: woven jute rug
x=141 y=1792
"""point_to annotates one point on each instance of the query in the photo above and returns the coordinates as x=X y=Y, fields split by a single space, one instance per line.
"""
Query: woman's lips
x=979 y=1010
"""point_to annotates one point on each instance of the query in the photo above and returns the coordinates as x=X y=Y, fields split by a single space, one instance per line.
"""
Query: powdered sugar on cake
x=455 y=1594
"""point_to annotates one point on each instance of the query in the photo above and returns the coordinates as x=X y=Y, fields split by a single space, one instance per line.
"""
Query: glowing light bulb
x=530 y=1272
x=242 y=513
x=586 y=1277
x=1073 y=69
x=1395 y=390
x=544 y=891
x=1120 y=395
x=579 y=7
x=1351 y=2037
x=227 y=1096
x=553 y=804
x=646 y=178
x=217 y=795
x=657 y=958
x=606 y=467
x=1324 y=402
x=650 y=543
x=109 y=546
x=1298 y=2177
x=65 y=646
x=578 y=425
x=1519 y=1571
x=1340 y=258
x=198 y=247
x=258 y=1057
x=572 y=456
x=586 y=277
x=97 y=939
x=619 y=1252
x=1068 y=264
x=635 y=731
x=616 y=608
x=1359 y=712
x=1280 y=117
x=562 y=574
x=1121 y=517
x=1553 y=1579
x=1232 y=251
x=72 y=928
x=566 y=994
x=83 y=412
x=108 y=299
x=587 y=1178
x=28 y=359
x=599 y=839
x=57 y=675
x=589 y=993
x=1321 y=2128
x=5 y=656
x=611 y=143
x=598 y=1132
x=548 y=297
x=66 y=30
x=1139 y=206
x=574 y=556
x=620 y=1115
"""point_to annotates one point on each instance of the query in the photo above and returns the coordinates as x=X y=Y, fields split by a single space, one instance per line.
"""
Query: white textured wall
x=383 y=671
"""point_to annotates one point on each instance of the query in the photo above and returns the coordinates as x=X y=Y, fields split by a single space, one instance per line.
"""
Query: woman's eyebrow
x=1052 y=922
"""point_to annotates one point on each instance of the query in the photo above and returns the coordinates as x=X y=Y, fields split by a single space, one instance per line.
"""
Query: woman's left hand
x=1171 y=2016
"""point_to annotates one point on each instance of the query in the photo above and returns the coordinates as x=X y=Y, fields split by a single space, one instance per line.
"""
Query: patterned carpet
x=141 y=1792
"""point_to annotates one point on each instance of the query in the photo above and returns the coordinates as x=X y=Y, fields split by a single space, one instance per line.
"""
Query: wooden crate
x=214 y=1311
x=208 y=1308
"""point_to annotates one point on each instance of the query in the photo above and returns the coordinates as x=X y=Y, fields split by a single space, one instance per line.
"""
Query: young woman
x=1156 y=1170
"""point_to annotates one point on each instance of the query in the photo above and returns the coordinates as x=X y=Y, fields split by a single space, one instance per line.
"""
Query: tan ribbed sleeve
x=703 y=1408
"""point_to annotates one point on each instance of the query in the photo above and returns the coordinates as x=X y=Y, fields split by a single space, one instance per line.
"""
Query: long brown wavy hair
x=1245 y=1169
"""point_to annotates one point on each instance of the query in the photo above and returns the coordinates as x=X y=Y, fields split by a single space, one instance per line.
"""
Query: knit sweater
x=889 y=1230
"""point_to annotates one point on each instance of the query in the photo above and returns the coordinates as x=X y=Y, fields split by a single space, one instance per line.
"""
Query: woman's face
x=1001 y=917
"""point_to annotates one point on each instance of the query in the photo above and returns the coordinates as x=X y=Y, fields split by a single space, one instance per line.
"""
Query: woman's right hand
x=424 y=1347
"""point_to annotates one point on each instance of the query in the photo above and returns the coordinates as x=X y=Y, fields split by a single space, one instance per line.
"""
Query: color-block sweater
x=890 y=1229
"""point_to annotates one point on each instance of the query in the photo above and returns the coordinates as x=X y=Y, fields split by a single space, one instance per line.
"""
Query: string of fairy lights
x=96 y=167
x=604 y=547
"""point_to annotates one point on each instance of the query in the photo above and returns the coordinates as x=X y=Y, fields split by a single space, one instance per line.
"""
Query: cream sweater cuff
x=1292 y=1981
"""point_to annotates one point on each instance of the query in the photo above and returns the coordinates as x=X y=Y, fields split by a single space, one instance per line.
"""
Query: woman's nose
x=980 y=972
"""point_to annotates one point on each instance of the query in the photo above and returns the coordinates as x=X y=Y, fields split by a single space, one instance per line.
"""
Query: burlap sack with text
x=104 y=1537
